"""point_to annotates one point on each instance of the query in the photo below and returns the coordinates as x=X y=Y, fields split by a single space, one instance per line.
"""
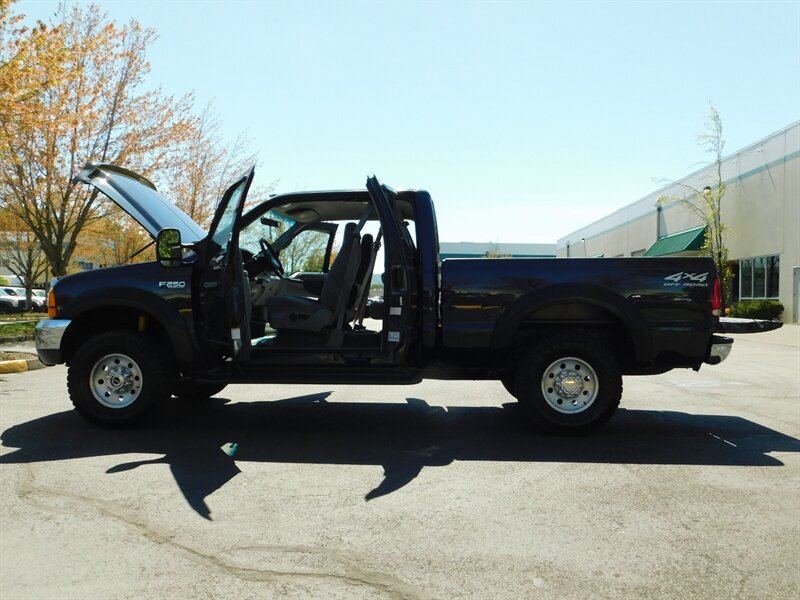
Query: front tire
x=569 y=383
x=116 y=378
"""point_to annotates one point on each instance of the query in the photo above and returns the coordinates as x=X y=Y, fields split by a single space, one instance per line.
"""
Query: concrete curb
x=20 y=365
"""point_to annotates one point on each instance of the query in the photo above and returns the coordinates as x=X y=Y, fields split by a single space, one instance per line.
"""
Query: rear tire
x=117 y=377
x=569 y=383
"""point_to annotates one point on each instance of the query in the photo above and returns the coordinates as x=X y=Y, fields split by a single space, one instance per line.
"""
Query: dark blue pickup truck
x=281 y=293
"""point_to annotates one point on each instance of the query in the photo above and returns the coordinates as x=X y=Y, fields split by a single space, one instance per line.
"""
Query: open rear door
x=400 y=282
x=224 y=288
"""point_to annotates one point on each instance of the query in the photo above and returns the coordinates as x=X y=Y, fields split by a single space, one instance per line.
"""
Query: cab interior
x=314 y=265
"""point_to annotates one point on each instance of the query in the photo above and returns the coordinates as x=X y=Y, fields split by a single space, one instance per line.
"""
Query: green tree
x=315 y=262
x=706 y=203
x=306 y=250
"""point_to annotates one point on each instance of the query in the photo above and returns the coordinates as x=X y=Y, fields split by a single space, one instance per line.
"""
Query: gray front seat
x=307 y=314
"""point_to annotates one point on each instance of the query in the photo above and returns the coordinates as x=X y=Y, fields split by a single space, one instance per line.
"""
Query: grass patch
x=12 y=330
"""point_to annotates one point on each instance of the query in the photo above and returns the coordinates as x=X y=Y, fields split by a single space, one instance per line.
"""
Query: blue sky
x=525 y=121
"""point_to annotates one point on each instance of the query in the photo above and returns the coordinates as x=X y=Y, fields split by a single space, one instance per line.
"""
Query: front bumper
x=719 y=349
x=47 y=338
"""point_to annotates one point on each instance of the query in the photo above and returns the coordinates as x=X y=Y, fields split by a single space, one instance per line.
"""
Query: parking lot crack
x=47 y=499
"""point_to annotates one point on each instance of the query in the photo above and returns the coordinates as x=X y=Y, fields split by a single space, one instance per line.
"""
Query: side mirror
x=168 y=248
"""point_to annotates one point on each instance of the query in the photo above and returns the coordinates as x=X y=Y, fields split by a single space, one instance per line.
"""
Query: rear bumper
x=734 y=325
x=47 y=337
x=719 y=349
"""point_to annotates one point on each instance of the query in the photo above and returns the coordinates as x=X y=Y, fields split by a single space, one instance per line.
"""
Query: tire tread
x=154 y=368
x=589 y=346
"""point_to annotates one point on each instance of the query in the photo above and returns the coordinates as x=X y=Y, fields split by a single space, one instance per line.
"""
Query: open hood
x=139 y=198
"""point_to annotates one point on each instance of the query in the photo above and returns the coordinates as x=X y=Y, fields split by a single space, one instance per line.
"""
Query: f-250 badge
x=682 y=279
x=172 y=285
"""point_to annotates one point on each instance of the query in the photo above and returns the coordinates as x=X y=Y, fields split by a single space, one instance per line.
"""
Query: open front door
x=400 y=282
x=224 y=288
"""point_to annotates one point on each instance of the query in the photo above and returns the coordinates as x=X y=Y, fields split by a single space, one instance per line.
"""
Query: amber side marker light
x=52 y=311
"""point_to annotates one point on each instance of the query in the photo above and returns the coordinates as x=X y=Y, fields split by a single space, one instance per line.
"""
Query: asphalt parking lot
x=437 y=490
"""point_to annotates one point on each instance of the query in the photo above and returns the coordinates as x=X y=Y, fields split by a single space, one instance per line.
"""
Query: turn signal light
x=52 y=311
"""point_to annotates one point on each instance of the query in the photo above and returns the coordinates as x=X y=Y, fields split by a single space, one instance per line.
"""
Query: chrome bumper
x=47 y=338
x=733 y=325
x=719 y=350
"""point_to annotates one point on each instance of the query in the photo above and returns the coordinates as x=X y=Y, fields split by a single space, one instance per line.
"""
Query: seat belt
x=364 y=218
x=361 y=307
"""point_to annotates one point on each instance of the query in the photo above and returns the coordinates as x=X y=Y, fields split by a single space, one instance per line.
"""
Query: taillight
x=716 y=298
x=52 y=311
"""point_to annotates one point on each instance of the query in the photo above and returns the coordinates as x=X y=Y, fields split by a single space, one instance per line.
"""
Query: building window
x=758 y=277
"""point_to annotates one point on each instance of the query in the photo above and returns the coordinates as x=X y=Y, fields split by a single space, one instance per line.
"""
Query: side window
x=307 y=252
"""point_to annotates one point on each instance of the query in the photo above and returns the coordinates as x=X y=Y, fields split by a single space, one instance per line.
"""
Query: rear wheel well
x=114 y=318
x=585 y=319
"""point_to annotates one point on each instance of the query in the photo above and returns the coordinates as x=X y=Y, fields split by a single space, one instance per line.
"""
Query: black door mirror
x=168 y=248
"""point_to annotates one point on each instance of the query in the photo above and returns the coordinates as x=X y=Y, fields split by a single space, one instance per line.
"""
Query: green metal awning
x=690 y=240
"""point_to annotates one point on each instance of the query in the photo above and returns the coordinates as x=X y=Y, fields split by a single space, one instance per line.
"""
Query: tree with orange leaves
x=70 y=93
x=114 y=240
x=206 y=166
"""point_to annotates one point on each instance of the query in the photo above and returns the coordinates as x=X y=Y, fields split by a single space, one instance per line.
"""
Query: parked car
x=219 y=307
x=39 y=299
x=11 y=300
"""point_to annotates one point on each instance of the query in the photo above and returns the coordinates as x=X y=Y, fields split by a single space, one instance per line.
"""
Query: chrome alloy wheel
x=570 y=385
x=116 y=381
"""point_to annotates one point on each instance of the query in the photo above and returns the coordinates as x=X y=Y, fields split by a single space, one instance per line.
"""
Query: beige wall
x=761 y=208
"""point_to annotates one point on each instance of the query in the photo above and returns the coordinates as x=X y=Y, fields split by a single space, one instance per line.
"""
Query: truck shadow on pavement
x=403 y=438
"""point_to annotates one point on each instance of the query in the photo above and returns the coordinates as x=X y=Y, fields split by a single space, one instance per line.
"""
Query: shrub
x=757 y=309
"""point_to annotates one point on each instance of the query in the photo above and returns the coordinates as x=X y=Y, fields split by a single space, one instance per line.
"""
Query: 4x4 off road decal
x=682 y=279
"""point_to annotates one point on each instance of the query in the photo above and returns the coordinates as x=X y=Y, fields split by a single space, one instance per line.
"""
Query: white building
x=487 y=249
x=761 y=209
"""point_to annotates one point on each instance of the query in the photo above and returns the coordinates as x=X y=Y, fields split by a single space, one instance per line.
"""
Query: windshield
x=222 y=235
x=270 y=226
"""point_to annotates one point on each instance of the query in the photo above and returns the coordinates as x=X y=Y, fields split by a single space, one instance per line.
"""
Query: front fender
x=172 y=315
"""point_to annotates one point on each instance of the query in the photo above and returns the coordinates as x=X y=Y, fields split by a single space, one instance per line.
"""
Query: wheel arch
x=99 y=314
x=574 y=306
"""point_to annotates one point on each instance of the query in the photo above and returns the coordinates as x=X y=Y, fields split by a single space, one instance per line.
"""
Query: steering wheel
x=268 y=252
